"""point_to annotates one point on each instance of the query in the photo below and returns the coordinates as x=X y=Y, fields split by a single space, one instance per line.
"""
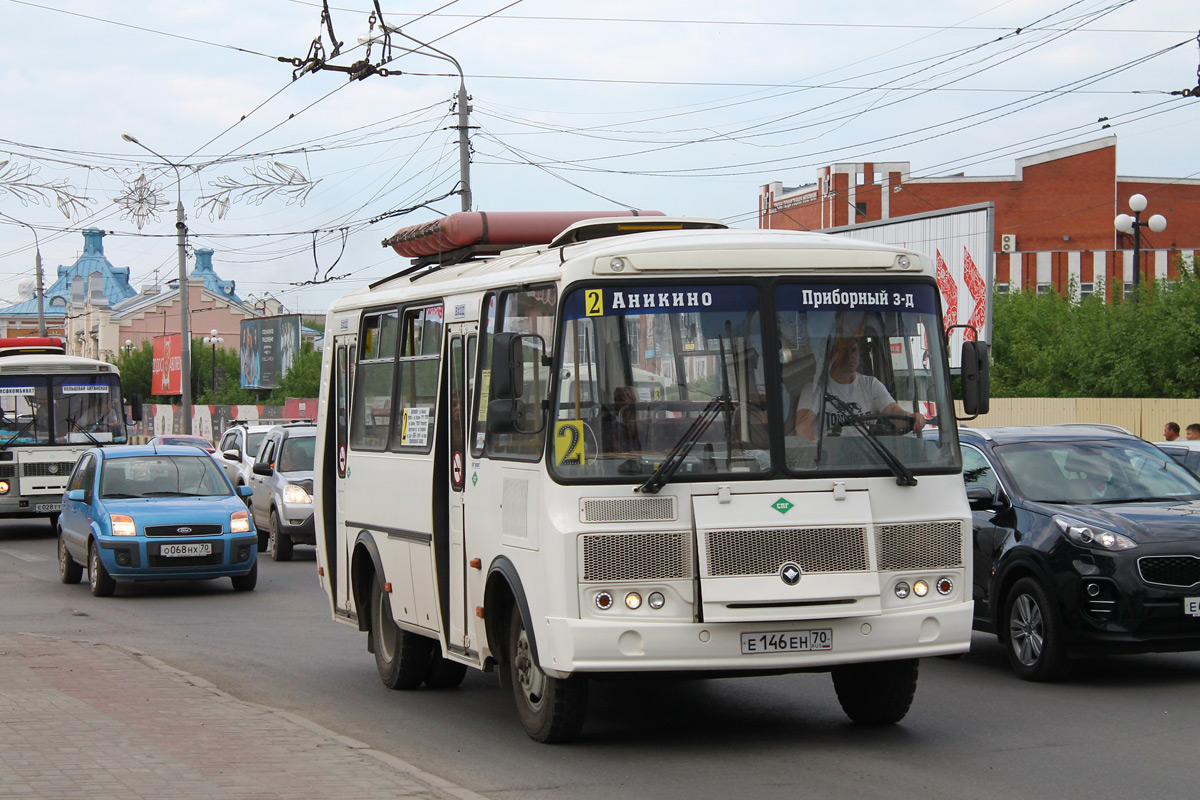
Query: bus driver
x=859 y=394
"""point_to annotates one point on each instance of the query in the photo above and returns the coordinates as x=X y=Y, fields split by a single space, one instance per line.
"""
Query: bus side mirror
x=135 y=408
x=976 y=383
x=508 y=367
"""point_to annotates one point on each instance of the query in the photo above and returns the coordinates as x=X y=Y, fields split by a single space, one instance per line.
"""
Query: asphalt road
x=1119 y=727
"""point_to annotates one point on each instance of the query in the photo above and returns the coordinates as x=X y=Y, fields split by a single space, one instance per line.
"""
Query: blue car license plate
x=199 y=549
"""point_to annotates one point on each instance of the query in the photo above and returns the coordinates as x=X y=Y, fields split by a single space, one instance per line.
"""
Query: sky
x=294 y=177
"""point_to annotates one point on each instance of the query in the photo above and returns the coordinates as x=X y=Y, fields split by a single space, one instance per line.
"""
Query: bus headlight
x=123 y=525
x=239 y=522
x=920 y=588
x=4 y=487
x=295 y=494
x=633 y=601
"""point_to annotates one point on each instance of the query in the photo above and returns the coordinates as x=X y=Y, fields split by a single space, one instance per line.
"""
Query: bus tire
x=402 y=658
x=68 y=570
x=444 y=673
x=552 y=710
x=878 y=693
x=101 y=582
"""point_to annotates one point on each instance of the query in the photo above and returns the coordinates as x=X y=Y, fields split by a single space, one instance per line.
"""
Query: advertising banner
x=959 y=242
x=167 y=370
x=268 y=348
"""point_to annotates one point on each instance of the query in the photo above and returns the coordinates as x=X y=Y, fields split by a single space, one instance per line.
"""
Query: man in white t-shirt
x=861 y=394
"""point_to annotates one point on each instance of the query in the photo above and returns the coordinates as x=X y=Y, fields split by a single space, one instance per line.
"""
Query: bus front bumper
x=571 y=645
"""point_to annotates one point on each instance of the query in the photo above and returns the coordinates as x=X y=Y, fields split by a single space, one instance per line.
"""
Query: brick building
x=1054 y=214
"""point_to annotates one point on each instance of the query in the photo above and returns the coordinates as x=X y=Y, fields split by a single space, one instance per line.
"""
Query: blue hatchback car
x=154 y=512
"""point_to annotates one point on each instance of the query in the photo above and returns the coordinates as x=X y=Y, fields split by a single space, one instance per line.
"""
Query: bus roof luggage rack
x=472 y=234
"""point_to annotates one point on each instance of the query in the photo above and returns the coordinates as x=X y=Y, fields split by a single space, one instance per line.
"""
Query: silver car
x=238 y=447
x=282 y=479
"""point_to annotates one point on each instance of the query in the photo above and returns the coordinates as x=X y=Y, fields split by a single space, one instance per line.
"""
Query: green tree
x=303 y=379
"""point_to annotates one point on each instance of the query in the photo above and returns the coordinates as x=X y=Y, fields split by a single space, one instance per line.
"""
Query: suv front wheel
x=1036 y=648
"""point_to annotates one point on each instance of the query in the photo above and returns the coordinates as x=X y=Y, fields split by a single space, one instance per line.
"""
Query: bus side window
x=417 y=385
x=374 y=381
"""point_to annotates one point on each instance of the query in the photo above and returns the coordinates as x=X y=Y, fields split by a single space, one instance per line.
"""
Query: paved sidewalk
x=82 y=720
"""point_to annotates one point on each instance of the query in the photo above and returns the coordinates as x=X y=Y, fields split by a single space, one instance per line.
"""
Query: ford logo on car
x=183 y=530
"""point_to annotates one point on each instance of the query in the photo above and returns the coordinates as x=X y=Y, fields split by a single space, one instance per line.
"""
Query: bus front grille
x=627 y=509
x=42 y=469
x=919 y=545
x=763 y=551
x=637 y=556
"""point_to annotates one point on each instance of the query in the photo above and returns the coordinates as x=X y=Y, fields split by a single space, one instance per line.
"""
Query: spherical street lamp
x=1133 y=226
x=214 y=340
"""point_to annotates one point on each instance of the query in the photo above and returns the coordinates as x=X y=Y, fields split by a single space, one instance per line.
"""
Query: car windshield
x=162 y=476
x=297 y=454
x=1096 y=471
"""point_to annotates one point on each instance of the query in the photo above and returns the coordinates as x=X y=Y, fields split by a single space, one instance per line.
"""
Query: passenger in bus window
x=620 y=422
x=847 y=394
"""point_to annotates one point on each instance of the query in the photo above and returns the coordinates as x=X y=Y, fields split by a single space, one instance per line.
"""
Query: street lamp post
x=128 y=347
x=37 y=264
x=185 y=355
x=1133 y=226
x=214 y=340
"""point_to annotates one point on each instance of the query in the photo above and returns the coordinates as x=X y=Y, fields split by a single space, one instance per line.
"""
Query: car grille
x=762 y=552
x=183 y=530
x=637 y=556
x=1182 y=571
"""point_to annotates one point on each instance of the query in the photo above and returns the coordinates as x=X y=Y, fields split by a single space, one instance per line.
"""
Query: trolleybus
x=588 y=458
x=52 y=408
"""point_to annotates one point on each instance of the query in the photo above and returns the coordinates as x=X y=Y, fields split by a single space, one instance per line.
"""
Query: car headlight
x=239 y=522
x=1091 y=536
x=295 y=494
x=123 y=525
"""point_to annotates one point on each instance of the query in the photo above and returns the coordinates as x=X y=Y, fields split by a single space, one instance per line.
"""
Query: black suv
x=1087 y=542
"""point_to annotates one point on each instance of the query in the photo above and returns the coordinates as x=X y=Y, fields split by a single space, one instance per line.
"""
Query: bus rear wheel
x=551 y=709
x=402 y=658
x=876 y=694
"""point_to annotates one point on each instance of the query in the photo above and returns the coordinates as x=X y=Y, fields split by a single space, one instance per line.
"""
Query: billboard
x=268 y=347
x=959 y=242
x=166 y=376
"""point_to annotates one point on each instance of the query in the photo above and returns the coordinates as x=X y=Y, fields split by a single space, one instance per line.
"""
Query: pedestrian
x=1171 y=431
x=1193 y=431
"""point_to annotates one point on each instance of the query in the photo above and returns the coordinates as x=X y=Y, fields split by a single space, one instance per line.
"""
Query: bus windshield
x=653 y=374
x=864 y=382
x=63 y=409
x=646 y=369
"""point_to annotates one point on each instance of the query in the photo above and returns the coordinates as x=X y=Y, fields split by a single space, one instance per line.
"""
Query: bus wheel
x=402 y=658
x=551 y=709
x=444 y=673
x=876 y=694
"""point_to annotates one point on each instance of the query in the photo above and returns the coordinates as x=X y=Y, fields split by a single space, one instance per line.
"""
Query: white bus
x=581 y=459
x=52 y=408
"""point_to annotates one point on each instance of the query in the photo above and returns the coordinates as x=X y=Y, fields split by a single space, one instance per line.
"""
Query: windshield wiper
x=71 y=421
x=904 y=476
x=1114 y=500
x=17 y=435
x=687 y=441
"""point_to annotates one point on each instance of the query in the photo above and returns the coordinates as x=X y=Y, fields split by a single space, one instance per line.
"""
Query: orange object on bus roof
x=496 y=229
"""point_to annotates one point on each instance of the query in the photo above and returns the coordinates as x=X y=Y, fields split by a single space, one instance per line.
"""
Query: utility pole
x=185 y=355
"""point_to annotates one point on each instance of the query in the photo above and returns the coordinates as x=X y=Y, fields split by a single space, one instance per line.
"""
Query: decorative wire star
x=141 y=201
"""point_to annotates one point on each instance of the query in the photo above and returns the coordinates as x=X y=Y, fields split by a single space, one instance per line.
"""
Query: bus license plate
x=787 y=641
x=47 y=508
x=202 y=549
x=1191 y=605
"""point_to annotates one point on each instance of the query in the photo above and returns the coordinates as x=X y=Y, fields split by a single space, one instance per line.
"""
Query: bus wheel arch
x=365 y=564
x=501 y=593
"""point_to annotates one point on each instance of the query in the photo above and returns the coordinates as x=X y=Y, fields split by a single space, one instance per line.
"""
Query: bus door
x=460 y=351
x=345 y=357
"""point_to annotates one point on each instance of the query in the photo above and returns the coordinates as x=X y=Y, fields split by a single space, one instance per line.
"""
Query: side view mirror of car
x=245 y=491
x=981 y=499
x=260 y=468
x=77 y=495
x=232 y=455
